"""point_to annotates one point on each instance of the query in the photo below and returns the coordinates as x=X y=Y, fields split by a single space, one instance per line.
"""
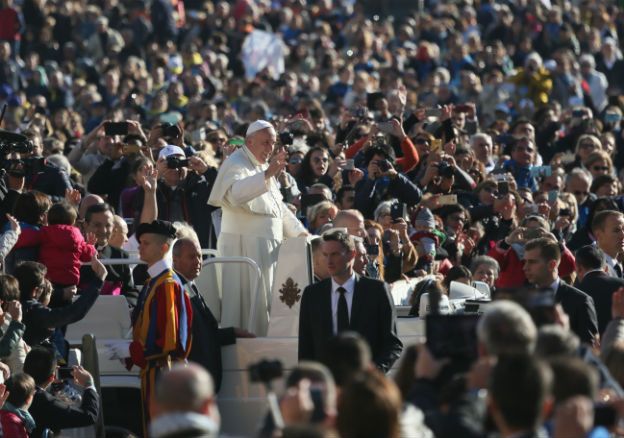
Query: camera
x=175 y=162
x=24 y=166
x=266 y=371
x=169 y=130
x=286 y=138
x=13 y=142
x=384 y=165
x=445 y=170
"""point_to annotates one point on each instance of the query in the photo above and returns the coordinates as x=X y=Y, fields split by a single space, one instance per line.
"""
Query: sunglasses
x=601 y=168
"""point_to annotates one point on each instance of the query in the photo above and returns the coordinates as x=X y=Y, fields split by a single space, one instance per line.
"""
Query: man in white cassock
x=254 y=222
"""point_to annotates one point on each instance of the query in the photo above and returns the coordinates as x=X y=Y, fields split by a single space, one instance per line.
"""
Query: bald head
x=185 y=389
x=352 y=220
x=87 y=202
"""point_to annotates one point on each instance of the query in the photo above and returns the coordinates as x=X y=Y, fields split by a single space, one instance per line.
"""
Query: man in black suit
x=50 y=412
x=208 y=338
x=541 y=261
x=99 y=221
x=595 y=282
x=346 y=301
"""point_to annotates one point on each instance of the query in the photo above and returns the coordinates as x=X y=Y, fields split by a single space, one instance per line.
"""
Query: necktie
x=618 y=270
x=343 y=311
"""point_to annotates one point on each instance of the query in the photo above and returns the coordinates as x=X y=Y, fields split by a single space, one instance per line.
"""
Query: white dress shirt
x=349 y=286
x=611 y=262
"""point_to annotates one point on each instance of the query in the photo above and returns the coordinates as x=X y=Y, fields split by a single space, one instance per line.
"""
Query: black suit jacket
x=51 y=413
x=372 y=315
x=116 y=273
x=600 y=287
x=580 y=308
x=208 y=338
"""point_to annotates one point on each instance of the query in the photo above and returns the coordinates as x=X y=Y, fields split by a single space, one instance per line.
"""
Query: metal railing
x=255 y=285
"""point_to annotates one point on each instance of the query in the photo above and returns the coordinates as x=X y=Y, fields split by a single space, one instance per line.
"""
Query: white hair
x=506 y=328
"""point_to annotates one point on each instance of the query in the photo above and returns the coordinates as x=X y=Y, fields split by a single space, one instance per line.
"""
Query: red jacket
x=62 y=248
x=12 y=425
x=511 y=272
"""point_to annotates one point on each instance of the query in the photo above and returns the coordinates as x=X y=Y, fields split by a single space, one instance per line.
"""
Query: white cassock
x=254 y=222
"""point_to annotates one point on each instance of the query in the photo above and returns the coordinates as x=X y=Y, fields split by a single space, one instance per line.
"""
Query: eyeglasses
x=600 y=168
x=295 y=160
x=490 y=189
x=320 y=160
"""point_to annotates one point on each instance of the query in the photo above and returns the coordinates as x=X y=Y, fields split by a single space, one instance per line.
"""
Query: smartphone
x=503 y=188
x=447 y=200
x=298 y=125
x=462 y=108
x=500 y=177
x=530 y=209
x=372 y=99
x=540 y=171
x=553 y=195
x=350 y=164
x=565 y=212
x=398 y=210
x=372 y=250
x=64 y=373
x=453 y=336
x=385 y=127
x=433 y=112
x=115 y=128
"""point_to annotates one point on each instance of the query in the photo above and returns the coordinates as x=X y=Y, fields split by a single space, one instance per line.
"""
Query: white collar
x=349 y=285
x=158 y=267
x=555 y=285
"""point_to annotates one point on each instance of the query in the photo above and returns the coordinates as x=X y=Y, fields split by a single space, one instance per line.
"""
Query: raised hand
x=277 y=162
x=91 y=238
x=73 y=196
x=150 y=180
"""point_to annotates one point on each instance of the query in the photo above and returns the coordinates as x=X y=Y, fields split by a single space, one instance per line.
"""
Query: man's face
x=579 y=187
x=523 y=153
x=524 y=130
x=151 y=248
x=261 y=144
x=482 y=149
x=101 y=224
x=338 y=259
x=359 y=264
x=348 y=200
x=189 y=261
x=536 y=269
x=485 y=273
x=611 y=237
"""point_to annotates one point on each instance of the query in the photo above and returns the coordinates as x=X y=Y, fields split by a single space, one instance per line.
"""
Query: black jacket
x=600 y=287
x=369 y=193
x=110 y=179
x=372 y=315
x=208 y=338
x=580 y=308
x=51 y=413
x=195 y=191
x=41 y=321
x=116 y=273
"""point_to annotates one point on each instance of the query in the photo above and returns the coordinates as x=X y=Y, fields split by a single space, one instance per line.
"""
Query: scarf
x=23 y=414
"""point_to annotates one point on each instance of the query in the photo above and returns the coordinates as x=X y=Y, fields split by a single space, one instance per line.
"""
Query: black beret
x=164 y=228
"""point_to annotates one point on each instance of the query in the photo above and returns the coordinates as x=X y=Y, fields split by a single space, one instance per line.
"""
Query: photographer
x=183 y=190
x=27 y=168
x=113 y=175
x=382 y=182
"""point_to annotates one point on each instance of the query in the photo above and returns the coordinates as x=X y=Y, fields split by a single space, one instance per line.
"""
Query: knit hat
x=425 y=218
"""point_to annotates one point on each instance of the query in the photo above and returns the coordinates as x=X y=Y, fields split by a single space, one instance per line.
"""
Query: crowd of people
x=457 y=142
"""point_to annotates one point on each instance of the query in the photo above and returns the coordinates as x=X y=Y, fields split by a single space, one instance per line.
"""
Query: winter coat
x=62 y=249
